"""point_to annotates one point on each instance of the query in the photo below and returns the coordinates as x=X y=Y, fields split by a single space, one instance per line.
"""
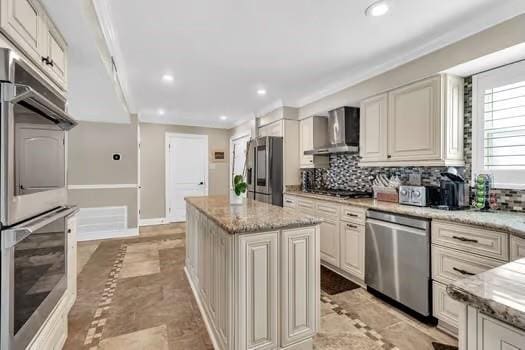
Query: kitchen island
x=255 y=272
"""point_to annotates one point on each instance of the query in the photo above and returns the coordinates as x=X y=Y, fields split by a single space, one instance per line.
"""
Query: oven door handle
x=36 y=100
x=18 y=233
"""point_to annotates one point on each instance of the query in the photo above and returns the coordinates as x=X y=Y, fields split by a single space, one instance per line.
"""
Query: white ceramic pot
x=237 y=200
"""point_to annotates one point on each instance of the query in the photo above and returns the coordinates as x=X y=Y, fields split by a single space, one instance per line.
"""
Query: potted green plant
x=239 y=190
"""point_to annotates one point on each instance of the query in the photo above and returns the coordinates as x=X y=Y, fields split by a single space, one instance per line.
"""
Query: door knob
x=201 y=183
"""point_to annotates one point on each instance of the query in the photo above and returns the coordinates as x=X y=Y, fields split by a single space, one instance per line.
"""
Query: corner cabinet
x=417 y=124
x=28 y=26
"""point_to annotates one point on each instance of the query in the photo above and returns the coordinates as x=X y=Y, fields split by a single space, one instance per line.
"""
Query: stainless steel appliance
x=250 y=168
x=268 y=176
x=34 y=275
x=454 y=192
x=397 y=259
x=343 y=132
x=33 y=199
x=32 y=151
x=421 y=196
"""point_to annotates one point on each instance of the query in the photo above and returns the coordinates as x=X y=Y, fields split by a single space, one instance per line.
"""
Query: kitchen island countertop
x=251 y=216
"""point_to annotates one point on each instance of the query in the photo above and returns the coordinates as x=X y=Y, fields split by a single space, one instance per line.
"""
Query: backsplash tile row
x=346 y=174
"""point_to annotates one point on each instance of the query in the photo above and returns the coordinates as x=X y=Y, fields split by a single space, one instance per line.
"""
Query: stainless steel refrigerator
x=265 y=169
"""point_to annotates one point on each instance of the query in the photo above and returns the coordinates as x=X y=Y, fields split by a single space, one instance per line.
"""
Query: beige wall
x=90 y=149
x=246 y=128
x=152 y=156
x=499 y=37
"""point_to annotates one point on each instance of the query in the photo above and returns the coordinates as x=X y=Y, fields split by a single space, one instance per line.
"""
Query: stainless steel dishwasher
x=397 y=260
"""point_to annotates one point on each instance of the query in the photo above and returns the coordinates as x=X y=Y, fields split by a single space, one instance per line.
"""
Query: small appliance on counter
x=453 y=191
x=386 y=189
x=420 y=196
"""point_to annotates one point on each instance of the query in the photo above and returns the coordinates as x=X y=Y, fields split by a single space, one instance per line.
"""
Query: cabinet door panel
x=258 y=291
x=298 y=283
x=330 y=242
x=306 y=141
x=56 y=51
x=21 y=20
x=414 y=121
x=374 y=129
x=353 y=249
x=495 y=335
x=517 y=248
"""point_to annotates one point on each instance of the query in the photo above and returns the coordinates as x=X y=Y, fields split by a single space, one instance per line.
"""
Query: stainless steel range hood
x=343 y=132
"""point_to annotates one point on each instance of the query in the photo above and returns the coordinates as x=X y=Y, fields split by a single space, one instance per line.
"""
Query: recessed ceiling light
x=161 y=111
x=261 y=92
x=377 y=9
x=223 y=117
x=168 y=78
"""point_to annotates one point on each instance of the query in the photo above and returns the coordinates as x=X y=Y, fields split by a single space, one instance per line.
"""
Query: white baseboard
x=95 y=235
x=153 y=221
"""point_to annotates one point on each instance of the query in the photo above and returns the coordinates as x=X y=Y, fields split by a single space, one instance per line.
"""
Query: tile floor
x=133 y=294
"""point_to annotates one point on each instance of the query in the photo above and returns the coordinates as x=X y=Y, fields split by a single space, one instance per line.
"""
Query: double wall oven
x=33 y=201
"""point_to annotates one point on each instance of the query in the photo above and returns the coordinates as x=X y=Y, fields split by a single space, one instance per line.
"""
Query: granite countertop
x=509 y=222
x=251 y=216
x=498 y=293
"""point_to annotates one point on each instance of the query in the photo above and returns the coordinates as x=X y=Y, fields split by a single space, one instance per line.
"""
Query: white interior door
x=187 y=172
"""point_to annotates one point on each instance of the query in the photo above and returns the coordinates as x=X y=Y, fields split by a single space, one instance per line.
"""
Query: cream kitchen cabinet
x=352 y=254
x=374 y=129
x=417 y=124
x=482 y=332
x=313 y=134
x=272 y=129
x=27 y=25
x=72 y=259
x=330 y=241
x=342 y=234
x=517 y=248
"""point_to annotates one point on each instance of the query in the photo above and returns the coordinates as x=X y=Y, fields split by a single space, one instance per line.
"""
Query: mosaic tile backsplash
x=345 y=173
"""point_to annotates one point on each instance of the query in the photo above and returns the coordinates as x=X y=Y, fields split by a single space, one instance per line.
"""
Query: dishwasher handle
x=397 y=227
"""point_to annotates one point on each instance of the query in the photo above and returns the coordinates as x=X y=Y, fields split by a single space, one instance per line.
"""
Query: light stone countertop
x=499 y=293
x=251 y=216
x=509 y=222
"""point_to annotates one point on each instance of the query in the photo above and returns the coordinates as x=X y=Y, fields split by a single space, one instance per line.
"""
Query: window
x=498 y=135
x=238 y=156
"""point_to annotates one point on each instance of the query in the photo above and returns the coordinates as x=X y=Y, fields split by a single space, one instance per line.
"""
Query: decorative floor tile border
x=94 y=333
x=360 y=325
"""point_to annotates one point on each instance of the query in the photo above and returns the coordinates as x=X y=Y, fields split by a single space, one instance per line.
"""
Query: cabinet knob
x=47 y=60
x=389 y=156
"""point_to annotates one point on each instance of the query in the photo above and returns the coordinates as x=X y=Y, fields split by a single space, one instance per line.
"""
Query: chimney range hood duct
x=343 y=132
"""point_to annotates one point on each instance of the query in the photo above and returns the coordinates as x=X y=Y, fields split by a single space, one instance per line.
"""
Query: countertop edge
x=246 y=230
x=489 y=307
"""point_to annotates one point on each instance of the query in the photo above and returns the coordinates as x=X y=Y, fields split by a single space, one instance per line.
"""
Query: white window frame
x=509 y=74
x=232 y=141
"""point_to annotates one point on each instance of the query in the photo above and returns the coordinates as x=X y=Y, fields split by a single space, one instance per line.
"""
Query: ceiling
x=91 y=93
x=221 y=52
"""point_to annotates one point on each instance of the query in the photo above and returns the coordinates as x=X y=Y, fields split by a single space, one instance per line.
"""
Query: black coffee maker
x=453 y=191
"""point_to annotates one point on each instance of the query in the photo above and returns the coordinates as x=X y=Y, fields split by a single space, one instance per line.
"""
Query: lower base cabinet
x=481 y=332
x=330 y=242
x=352 y=256
x=255 y=290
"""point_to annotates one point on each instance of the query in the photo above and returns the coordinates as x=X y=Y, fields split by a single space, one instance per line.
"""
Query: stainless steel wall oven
x=33 y=200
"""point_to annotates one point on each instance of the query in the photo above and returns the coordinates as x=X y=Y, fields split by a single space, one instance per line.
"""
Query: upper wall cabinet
x=27 y=25
x=418 y=124
x=313 y=134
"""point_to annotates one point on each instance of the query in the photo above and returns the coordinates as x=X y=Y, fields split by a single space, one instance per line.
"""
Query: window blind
x=504 y=127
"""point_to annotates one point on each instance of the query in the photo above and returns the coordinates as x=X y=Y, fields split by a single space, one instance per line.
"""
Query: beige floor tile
x=147 y=255
x=406 y=337
x=146 y=339
x=84 y=252
x=140 y=268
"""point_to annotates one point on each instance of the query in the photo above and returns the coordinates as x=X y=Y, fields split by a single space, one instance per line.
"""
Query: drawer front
x=353 y=214
x=444 y=307
x=517 y=248
x=471 y=239
x=306 y=205
x=289 y=202
x=449 y=265
x=328 y=210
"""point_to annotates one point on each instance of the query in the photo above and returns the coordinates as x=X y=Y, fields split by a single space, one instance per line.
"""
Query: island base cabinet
x=255 y=291
x=481 y=332
x=258 y=287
